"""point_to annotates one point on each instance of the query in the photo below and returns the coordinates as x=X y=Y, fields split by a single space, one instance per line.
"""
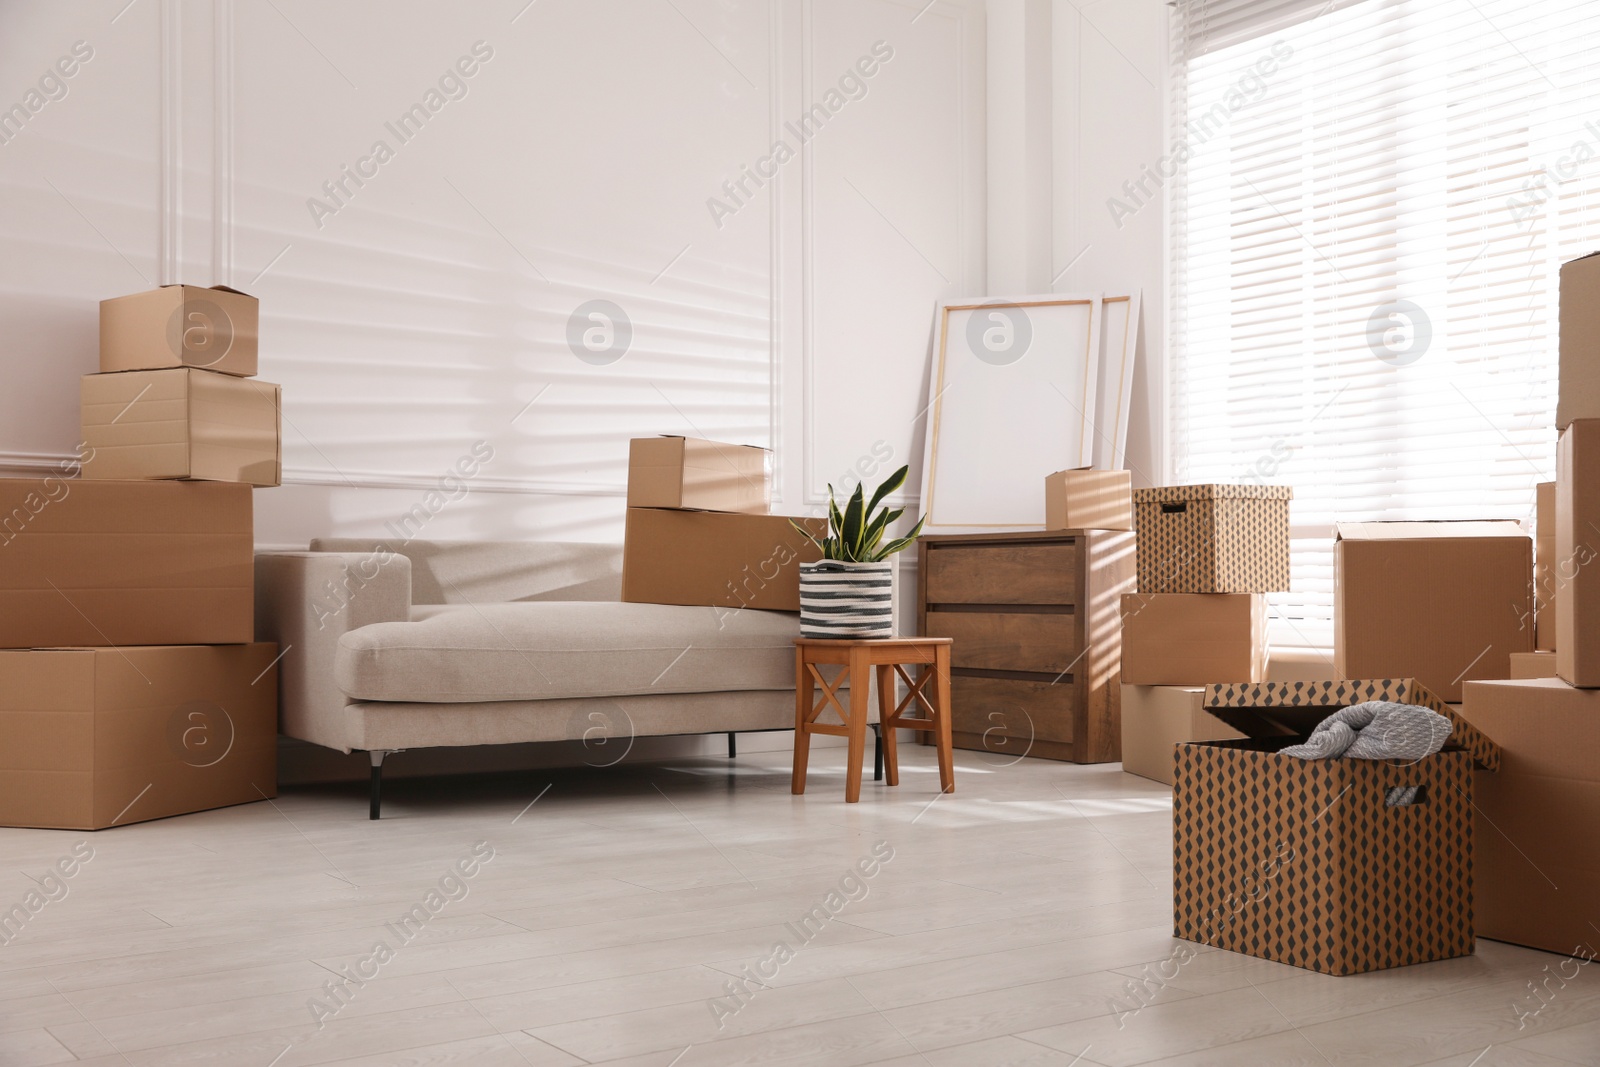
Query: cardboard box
x=180 y=326
x=125 y=563
x=1213 y=538
x=1537 y=870
x=1158 y=718
x=96 y=737
x=1531 y=665
x=1544 y=567
x=1084 y=499
x=1336 y=866
x=181 y=423
x=1576 y=573
x=712 y=558
x=1578 y=396
x=1436 y=601
x=1193 y=638
x=682 y=472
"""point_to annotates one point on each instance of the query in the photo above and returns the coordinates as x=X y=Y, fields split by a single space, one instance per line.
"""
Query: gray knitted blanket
x=1378 y=729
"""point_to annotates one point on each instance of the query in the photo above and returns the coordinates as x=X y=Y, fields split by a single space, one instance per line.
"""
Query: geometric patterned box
x=1339 y=866
x=1213 y=538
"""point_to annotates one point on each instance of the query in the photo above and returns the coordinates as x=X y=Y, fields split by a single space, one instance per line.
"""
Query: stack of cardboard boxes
x=1538 y=874
x=1207 y=555
x=698 y=530
x=130 y=688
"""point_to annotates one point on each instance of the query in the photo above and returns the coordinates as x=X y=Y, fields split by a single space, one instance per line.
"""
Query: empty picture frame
x=1011 y=399
x=1119 y=338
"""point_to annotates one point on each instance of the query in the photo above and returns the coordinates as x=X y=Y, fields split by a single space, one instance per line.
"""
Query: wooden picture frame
x=1011 y=398
x=1119 y=341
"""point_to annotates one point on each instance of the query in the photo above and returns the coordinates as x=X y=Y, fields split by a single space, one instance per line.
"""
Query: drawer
x=1008 y=641
x=1006 y=708
x=1001 y=574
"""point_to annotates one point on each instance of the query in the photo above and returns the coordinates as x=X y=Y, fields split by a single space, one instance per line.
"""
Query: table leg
x=886 y=706
x=804 y=696
x=947 y=766
x=860 y=695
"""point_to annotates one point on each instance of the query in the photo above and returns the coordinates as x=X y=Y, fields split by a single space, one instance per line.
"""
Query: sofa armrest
x=304 y=602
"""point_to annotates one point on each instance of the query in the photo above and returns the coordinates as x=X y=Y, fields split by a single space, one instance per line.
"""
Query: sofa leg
x=877 y=753
x=733 y=749
x=376 y=791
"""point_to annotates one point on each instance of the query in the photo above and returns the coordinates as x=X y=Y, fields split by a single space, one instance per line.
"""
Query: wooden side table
x=929 y=692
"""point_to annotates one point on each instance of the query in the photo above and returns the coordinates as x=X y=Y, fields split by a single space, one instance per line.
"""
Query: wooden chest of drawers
x=1038 y=639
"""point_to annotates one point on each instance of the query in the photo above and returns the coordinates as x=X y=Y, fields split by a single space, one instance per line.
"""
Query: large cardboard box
x=1193 y=638
x=98 y=737
x=1084 y=499
x=1538 y=818
x=1545 y=589
x=711 y=558
x=125 y=563
x=1213 y=538
x=181 y=423
x=682 y=472
x=1578 y=396
x=1577 y=562
x=180 y=326
x=1158 y=718
x=1436 y=601
x=1531 y=665
x=1339 y=866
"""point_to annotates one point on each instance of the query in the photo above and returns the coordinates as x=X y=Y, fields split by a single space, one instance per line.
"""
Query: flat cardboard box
x=1213 y=538
x=1085 y=499
x=682 y=472
x=1576 y=573
x=1544 y=566
x=1526 y=665
x=1436 y=601
x=1193 y=638
x=1339 y=866
x=1537 y=870
x=98 y=737
x=181 y=423
x=125 y=563
x=180 y=326
x=1578 y=396
x=716 y=559
x=1158 y=718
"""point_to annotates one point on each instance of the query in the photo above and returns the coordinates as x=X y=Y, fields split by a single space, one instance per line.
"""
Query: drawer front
x=1006 y=711
x=1008 y=641
x=1002 y=574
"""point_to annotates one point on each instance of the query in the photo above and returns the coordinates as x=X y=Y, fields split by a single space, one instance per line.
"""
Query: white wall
x=431 y=307
x=1110 y=94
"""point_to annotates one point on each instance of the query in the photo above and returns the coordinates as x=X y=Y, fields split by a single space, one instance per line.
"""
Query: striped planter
x=847 y=600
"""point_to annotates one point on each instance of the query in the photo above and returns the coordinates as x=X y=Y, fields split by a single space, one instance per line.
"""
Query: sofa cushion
x=557 y=649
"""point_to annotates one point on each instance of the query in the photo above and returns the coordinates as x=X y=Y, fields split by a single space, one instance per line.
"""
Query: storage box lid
x=218 y=288
x=1435 y=529
x=723 y=444
x=1167 y=494
x=1293 y=709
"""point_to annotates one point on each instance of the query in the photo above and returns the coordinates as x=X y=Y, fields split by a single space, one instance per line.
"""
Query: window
x=1370 y=207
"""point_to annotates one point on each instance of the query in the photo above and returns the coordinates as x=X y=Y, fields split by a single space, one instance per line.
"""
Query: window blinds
x=1370 y=204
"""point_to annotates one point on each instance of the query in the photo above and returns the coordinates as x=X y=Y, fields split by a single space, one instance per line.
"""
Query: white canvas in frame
x=1010 y=399
x=1119 y=337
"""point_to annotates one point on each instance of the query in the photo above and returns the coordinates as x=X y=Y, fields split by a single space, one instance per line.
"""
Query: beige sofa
x=447 y=644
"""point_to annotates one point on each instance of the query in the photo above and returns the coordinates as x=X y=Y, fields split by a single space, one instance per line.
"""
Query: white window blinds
x=1370 y=206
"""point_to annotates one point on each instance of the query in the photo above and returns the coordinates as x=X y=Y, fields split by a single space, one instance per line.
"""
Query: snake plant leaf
x=893 y=482
x=909 y=539
x=854 y=522
x=821 y=545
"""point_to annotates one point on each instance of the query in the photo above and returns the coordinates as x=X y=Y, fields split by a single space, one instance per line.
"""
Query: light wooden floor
x=1003 y=931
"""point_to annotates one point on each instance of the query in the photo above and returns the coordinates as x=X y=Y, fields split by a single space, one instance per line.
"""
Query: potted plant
x=849 y=592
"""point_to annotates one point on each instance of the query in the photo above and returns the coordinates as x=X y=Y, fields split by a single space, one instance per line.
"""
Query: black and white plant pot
x=847 y=601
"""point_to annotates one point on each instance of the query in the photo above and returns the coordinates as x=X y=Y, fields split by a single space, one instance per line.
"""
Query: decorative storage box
x=1213 y=538
x=1338 y=866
